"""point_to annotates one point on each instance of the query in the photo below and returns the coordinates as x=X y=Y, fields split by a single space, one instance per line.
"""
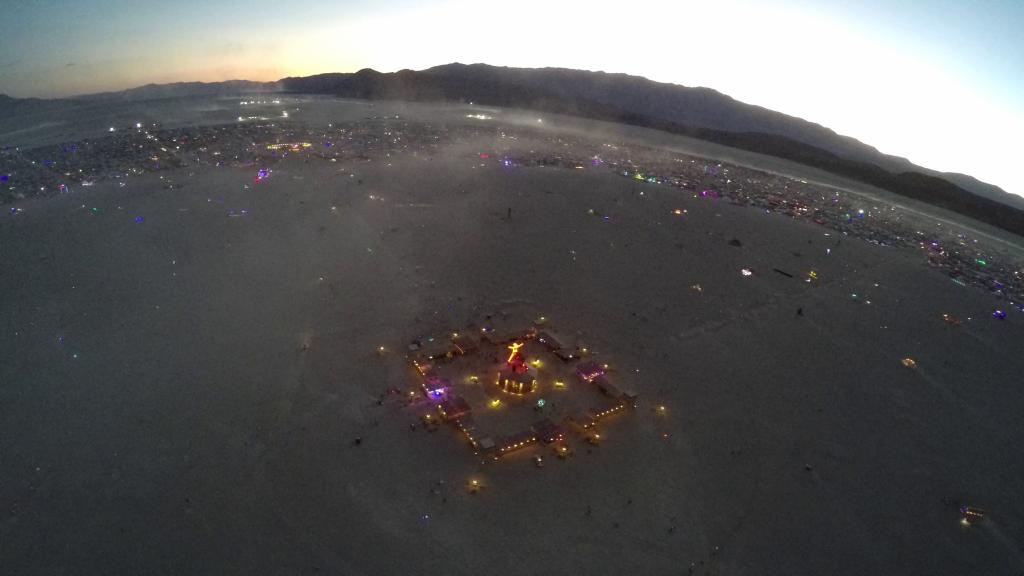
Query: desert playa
x=207 y=368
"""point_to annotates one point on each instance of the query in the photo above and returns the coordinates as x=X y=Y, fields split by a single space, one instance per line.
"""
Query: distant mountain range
x=179 y=89
x=696 y=112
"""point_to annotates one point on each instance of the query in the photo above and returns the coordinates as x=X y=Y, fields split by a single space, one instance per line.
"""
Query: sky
x=940 y=83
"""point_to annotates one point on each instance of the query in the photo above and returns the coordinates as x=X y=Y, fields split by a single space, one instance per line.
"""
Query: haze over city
x=937 y=82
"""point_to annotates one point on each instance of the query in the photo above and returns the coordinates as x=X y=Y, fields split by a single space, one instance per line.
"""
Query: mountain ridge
x=173 y=89
x=605 y=95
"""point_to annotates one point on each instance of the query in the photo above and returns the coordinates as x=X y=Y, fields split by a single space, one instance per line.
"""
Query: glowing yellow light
x=473 y=379
x=536 y=363
x=495 y=403
x=559 y=384
x=514 y=347
x=455 y=334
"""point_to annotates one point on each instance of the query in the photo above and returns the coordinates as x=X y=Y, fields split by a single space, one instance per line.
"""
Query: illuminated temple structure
x=515 y=375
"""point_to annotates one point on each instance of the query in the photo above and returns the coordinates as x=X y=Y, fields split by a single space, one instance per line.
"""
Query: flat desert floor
x=183 y=374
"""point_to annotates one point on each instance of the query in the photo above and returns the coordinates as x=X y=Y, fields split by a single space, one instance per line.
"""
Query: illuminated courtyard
x=517 y=389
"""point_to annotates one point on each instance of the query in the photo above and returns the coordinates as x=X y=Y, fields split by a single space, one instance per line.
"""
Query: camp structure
x=454 y=408
x=435 y=386
x=436 y=350
x=548 y=432
x=485 y=446
x=567 y=354
x=587 y=371
x=516 y=441
x=626 y=398
x=606 y=387
x=605 y=410
x=581 y=421
x=558 y=345
x=630 y=398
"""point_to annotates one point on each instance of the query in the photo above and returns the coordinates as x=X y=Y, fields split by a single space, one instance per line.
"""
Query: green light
x=540 y=403
x=981 y=262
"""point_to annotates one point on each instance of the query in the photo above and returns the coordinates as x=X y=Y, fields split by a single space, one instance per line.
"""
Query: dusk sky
x=941 y=83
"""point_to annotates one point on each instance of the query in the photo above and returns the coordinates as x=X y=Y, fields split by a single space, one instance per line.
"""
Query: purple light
x=999 y=314
x=139 y=218
x=4 y=177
